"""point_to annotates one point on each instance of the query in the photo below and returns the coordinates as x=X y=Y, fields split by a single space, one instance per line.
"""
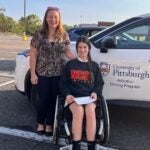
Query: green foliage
x=31 y=23
x=7 y=24
x=66 y=27
x=18 y=29
x=2 y=18
x=75 y=26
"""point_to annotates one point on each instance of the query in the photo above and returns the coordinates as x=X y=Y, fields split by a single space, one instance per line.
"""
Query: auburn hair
x=59 y=34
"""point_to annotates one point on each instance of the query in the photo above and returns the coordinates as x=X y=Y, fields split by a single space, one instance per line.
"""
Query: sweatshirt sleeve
x=98 y=83
x=64 y=82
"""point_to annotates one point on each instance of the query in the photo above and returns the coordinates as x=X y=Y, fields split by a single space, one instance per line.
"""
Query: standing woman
x=49 y=46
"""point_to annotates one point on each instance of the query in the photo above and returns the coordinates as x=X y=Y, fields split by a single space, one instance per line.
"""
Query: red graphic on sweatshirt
x=80 y=75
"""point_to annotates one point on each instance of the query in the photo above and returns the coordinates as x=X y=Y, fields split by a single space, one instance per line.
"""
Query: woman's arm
x=68 y=52
x=33 y=55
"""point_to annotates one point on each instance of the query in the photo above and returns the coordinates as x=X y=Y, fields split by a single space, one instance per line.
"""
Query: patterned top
x=50 y=55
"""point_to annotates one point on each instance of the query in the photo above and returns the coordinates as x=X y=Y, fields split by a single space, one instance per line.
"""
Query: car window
x=75 y=33
x=79 y=32
x=94 y=32
x=137 y=37
x=89 y=33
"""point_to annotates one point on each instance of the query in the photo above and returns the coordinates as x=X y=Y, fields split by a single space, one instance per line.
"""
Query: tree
x=18 y=28
x=66 y=27
x=6 y=23
x=9 y=24
x=2 y=10
x=32 y=23
x=2 y=18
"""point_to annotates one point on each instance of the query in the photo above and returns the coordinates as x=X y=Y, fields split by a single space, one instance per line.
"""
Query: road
x=129 y=125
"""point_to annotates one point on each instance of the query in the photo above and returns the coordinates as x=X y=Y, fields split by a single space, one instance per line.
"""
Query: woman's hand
x=94 y=96
x=68 y=53
x=69 y=99
x=34 y=79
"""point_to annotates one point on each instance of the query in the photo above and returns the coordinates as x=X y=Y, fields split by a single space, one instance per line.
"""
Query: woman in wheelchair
x=81 y=78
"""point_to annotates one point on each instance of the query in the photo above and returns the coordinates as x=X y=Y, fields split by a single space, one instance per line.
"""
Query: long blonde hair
x=59 y=34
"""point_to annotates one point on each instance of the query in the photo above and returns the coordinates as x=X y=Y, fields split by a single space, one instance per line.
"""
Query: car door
x=126 y=68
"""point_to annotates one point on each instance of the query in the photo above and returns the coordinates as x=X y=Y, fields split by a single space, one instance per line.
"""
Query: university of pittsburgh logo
x=105 y=68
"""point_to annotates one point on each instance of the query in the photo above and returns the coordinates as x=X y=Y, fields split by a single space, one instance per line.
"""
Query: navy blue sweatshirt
x=76 y=79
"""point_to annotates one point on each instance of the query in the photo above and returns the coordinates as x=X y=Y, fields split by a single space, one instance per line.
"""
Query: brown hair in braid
x=84 y=39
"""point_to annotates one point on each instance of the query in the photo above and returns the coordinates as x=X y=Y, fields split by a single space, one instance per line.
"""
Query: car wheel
x=34 y=96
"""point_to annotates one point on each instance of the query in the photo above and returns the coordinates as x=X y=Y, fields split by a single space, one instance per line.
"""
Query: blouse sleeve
x=67 y=40
x=35 y=40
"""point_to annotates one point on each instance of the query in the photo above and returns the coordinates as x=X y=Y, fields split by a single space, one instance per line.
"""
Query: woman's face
x=82 y=50
x=52 y=18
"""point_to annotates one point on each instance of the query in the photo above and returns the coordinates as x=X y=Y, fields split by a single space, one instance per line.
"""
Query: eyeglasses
x=53 y=8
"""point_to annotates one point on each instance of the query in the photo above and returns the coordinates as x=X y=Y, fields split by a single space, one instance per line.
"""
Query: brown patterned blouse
x=50 y=55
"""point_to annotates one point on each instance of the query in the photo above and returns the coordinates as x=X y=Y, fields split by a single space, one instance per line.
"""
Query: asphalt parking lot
x=129 y=125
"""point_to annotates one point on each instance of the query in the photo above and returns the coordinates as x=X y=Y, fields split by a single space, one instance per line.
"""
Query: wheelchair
x=63 y=118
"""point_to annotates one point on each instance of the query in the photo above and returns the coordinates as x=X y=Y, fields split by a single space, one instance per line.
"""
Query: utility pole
x=25 y=16
x=24 y=37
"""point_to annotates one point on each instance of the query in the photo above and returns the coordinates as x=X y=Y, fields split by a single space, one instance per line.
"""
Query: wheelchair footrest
x=84 y=147
x=67 y=147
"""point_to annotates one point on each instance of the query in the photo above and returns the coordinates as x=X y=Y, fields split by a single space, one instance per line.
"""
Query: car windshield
x=75 y=33
x=97 y=37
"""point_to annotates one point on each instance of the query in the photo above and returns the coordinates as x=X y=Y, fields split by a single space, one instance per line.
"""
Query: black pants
x=48 y=89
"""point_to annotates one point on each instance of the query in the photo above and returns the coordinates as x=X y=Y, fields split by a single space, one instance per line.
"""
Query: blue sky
x=77 y=11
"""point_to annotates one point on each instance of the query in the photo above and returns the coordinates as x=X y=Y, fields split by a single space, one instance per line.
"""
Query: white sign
x=84 y=100
x=124 y=80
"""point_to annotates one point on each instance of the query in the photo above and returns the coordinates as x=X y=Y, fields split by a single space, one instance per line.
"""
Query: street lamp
x=24 y=37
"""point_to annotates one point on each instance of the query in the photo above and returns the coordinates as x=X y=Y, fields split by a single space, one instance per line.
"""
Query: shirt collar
x=82 y=60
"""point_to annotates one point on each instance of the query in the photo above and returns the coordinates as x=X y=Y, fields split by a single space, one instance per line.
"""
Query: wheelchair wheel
x=104 y=131
x=106 y=121
x=58 y=120
x=60 y=125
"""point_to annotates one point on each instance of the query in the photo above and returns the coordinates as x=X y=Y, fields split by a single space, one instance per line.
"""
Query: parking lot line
x=2 y=58
x=6 y=83
x=6 y=75
x=41 y=138
x=8 y=52
x=25 y=134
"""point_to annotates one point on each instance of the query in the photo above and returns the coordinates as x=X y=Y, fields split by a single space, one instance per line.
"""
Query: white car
x=123 y=54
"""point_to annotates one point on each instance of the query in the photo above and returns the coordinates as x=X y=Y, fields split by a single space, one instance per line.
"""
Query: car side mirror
x=106 y=43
